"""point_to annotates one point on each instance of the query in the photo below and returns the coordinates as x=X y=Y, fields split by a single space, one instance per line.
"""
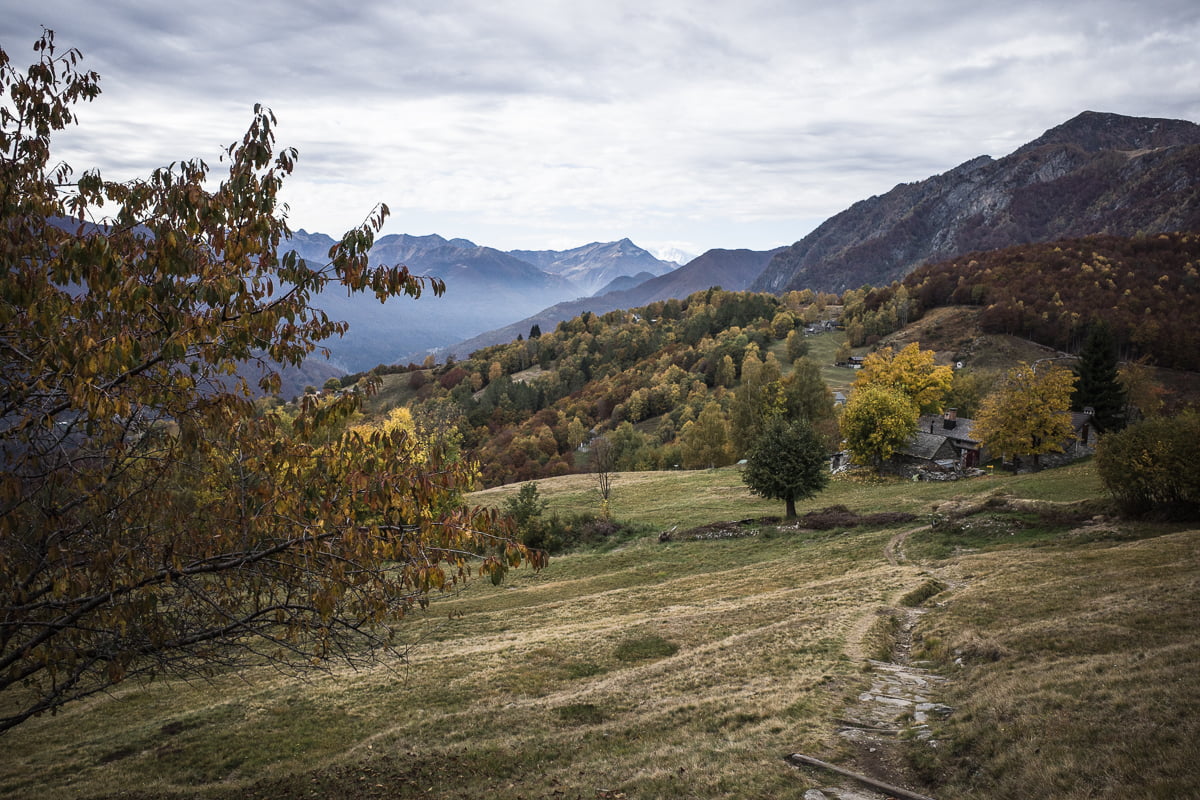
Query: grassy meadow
x=690 y=668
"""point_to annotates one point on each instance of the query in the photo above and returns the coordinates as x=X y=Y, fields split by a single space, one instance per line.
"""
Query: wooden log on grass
x=799 y=759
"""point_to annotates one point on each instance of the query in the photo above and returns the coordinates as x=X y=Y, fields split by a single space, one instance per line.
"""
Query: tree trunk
x=791 y=507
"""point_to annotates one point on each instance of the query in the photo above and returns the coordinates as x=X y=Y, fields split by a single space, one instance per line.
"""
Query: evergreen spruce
x=1097 y=386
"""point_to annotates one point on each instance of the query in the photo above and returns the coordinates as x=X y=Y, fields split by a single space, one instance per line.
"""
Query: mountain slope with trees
x=689 y=382
x=1145 y=289
x=1096 y=173
x=732 y=270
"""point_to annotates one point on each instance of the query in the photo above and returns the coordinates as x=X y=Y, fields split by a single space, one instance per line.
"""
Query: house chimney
x=950 y=418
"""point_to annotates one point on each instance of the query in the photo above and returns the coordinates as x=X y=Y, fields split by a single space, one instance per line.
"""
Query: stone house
x=943 y=443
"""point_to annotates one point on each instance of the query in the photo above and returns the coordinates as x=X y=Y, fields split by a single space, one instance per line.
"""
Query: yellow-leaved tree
x=153 y=518
x=876 y=422
x=1029 y=415
x=910 y=370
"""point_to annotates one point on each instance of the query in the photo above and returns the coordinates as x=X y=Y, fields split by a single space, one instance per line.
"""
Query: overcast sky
x=540 y=124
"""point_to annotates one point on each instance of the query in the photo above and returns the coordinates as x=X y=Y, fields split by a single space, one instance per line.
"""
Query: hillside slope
x=1097 y=173
x=688 y=668
x=732 y=270
x=1146 y=289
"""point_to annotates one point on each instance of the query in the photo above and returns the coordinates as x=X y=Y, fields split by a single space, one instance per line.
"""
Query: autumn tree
x=577 y=433
x=876 y=422
x=153 y=518
x=805 y=394
x=726 y=372
x=1143 y=393
x=912 y=371
x=782 y=324
x=796 y=345
x=757 y=399
x=786 y=462
x=969 y=388
x=807 y=397
x=1029 y=415
x=705 y=441
x=843 y=353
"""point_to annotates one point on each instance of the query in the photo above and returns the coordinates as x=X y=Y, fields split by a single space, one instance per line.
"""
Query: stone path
x=901 y=702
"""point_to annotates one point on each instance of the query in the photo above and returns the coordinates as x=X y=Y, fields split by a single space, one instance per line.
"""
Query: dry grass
x=647 y=670
x=687 y=669
x=1074 y=668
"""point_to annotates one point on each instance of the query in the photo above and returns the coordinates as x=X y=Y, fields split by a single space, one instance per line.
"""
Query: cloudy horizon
x=539 y=124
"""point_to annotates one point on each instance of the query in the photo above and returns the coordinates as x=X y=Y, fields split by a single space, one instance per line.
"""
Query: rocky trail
x=899 y=705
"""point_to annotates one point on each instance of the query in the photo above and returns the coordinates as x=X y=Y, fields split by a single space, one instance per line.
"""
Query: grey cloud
x=686 y=108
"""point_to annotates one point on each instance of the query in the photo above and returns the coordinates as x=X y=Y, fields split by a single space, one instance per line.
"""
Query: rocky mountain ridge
x=1095 y=173
x=594 y=266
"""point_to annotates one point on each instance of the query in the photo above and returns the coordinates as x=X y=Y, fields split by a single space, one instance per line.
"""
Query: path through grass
x=673 y=669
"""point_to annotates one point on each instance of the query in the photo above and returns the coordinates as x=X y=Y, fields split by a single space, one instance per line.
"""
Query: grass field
x=689 y=668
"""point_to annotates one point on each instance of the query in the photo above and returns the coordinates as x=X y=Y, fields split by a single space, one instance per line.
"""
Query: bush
x=1150 y=468
x=559 y=533
x=643 y=648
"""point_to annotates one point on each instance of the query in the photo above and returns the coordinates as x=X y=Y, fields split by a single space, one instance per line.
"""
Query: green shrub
x=642 y=648
x=1151 y=468
x=558 y=533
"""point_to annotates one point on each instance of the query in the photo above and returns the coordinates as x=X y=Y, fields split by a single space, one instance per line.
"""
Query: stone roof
x=963 y=430
x=923 y=445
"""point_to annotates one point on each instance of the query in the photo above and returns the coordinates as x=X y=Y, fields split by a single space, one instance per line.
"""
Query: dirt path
x=898 y=706
x=893 y=550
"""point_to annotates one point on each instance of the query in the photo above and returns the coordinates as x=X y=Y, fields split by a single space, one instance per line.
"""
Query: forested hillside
x=686 y=383
x=1144 y=288
x=660 y=378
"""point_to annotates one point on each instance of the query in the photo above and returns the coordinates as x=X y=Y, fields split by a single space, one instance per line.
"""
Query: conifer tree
x=1098 y=386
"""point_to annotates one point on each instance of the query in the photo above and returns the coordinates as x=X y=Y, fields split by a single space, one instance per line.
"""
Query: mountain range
x=485 y=288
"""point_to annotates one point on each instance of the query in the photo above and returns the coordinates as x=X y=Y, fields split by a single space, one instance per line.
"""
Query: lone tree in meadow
x=602 y=459
x=786 y=462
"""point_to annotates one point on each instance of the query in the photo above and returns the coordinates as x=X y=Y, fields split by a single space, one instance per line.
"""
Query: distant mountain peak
x=595 y=265
x=1096 y=131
